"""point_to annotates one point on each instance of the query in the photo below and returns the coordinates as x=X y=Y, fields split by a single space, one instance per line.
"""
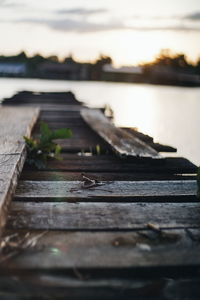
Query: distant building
x=123 y=69
x=122 y=74
x=12 y=69
x=70 y=70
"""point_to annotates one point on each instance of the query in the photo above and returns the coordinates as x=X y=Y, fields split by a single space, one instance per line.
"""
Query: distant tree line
x=164 y=58
x=175 y=62
x=33 y=62
x=167 y=68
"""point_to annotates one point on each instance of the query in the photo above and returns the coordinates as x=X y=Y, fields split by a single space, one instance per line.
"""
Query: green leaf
x=45 y=132
x=98 y=149
x=62 y=133
x=57 y=152
x=29 y=141
x=43 y=148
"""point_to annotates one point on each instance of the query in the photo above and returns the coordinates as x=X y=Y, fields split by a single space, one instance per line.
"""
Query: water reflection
x=169 y=114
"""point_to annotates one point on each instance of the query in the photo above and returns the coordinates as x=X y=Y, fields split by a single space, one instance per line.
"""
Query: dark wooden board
x=107 y=250
x=102 y=216
x=27 y=97
x=83 y=285
x=62 y=176
x=46 y=107
x=107 y=190
x=109 y=163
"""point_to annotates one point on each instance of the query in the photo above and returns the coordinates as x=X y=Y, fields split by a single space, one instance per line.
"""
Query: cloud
x=167 y=28
x=85 y=26
x=74 y=25
x=81 y=11
x=11 y=4
x=193 y=17
x=190 y=17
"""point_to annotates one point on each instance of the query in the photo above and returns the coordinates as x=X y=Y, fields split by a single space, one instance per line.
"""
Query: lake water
x=169 y=114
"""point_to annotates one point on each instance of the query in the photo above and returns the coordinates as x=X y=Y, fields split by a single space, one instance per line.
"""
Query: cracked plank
x=122 y=142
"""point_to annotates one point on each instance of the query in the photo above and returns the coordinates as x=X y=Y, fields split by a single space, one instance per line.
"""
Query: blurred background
x=142 y=58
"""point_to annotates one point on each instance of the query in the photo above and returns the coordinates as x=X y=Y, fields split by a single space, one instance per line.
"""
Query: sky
x=130 y=31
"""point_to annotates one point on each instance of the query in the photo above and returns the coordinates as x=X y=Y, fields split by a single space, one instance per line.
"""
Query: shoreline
x=190 y=85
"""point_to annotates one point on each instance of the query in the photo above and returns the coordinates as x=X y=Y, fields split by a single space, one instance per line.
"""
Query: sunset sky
x=130 y=31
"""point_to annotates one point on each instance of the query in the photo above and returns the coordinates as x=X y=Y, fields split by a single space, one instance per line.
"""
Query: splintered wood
x=14 y=124
x=122 y=142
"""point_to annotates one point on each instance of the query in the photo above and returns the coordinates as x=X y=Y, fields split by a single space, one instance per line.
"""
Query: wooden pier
x=114 y=219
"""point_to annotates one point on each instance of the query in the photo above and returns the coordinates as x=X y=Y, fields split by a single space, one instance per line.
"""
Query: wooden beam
x=14 y=124
x=74 y=176
x=84 y=284
x=149 y=140
x=102 y=216
x=122 y=142
x=106 y=190
x=97 y=163
x=134 y=249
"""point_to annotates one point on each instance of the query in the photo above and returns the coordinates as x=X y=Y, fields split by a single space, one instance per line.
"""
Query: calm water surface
x=170 y=114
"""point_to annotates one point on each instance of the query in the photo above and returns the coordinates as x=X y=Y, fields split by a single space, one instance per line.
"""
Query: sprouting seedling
x=44 y=147
x=98 y=149
x=198 y=183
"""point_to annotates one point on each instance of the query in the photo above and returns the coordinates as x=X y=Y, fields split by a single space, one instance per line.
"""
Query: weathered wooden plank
x=136 y=249
x=83 y=285
x=50 y=98
x=144 y=137
x=113 y=190
x=14 y=124
x=109 y=163
x=149 y=140
x=46 y=107
x=62 y=176
x=102 y=216
x=122 y=142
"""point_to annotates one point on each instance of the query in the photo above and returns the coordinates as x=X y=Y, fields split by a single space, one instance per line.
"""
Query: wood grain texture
x=102 y=216
x=14 y=124
x=149 y=140
x=121 y=141
x=107 y=232
x=135 y=249
x=133 y=190
x=112 y=164
x=74 y=176
x=45 y=107
x=83 y=285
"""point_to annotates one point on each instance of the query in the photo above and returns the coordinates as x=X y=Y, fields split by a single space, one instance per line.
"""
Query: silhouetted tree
x=103 y=60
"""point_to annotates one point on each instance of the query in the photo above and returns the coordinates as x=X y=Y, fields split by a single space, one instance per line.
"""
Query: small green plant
x=198 y=183
x=43 y=148
x=98 y=150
